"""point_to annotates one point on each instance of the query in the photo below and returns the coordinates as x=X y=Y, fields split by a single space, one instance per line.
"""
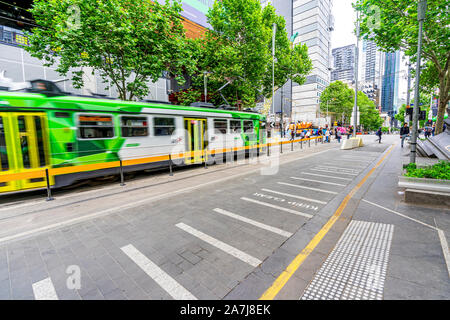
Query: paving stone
x=192 y=258
x=94 y=294
x=115 y=295
x=105 y=285
x=5 y=290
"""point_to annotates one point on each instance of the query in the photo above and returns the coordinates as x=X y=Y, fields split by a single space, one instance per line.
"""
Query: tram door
x=24 y=147
x=195 y=140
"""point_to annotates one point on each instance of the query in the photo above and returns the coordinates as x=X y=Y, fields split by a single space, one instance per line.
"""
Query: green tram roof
x=41 y=101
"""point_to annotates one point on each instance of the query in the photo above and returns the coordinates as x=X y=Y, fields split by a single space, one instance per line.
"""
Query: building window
x=134 y=127
x=163 y=126
x=95 y=127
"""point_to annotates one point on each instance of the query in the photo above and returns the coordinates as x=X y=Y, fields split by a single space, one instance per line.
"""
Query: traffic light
x=423 y=115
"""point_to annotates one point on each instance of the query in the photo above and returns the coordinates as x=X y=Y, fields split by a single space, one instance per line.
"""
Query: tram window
x=4 y=164
x=96 y=127
x=235 y=126
x=248 y=126
x=164 y=126
x=134 y=127
x=221 y=126
x=21 y=123
x=40 y=141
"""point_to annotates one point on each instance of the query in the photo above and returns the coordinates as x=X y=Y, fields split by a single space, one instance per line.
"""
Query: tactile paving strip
x=356 y=268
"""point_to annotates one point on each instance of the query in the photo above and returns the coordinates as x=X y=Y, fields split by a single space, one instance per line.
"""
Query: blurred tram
x=83 y=137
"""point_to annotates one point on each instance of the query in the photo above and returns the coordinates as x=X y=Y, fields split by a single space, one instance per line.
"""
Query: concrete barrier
x=352 y=143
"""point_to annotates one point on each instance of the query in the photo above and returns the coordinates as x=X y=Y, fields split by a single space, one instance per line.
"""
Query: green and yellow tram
x=78 y=137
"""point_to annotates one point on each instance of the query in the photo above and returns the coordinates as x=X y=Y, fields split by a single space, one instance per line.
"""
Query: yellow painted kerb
x=281 y=281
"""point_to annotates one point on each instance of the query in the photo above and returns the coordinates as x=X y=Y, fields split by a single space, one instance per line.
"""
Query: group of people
x=296 y=130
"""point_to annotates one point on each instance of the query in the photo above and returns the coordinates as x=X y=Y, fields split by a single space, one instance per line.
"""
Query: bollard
x=49 y=191
x=206 y=159
x=301 y=144
x=281 y=146
x=322 y=139
x=122 y=183
x=170 y=165
x=268 y=149
x=309 y=143
x=292 y=145
x=316 y=140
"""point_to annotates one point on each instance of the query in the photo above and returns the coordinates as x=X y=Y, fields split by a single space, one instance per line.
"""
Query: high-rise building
x=283 y=96
x=390 y=96
x=314 y=22
x=372 y=67
x=344 y=64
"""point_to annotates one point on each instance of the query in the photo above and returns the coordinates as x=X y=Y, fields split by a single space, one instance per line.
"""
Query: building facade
x=283 y=96
x=314 y=22
x=390 y=84
x=343 y=64
x=372 y=71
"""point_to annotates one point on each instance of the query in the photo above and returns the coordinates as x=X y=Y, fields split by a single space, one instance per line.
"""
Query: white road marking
x=140 y=202
x=307 y=188
x=400 y=214
x=44 y=290
x=254 y=223
x=445 y=251
x=324 y=176
x=221 y=245
x=333 y=171
x=294 y=196
x=337 y=168
x=357 y=167
x=298 y=213
x=319 y=181
x=441 y=233
x=173 y=288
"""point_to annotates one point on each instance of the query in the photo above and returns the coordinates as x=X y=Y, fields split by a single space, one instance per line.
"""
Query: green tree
x=128 y=42
x=238 y=51
x=340 y=98
x=370 y=117
x=393 y=25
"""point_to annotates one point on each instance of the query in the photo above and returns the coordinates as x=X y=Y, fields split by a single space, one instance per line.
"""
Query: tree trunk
x=443 y=101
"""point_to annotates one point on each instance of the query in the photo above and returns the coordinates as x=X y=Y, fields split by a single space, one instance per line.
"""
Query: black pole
x=170 y=165
x=268 y=149
x=301 y=144
x=292 y=145
x=309 y=142
x=122 y=183
x=206 y=160
x=49 y=191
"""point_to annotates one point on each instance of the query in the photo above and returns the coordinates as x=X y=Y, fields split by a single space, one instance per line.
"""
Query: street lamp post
x=421 y=10
x=355 y=108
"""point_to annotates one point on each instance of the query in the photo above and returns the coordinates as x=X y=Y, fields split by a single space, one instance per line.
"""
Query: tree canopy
x=128 y=42
x=238 y=51
x=339 y=98
x=393 y=25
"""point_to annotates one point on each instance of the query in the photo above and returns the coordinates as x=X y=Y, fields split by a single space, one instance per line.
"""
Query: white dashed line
x=337 y=168
x=173 y=288
x=44 y=290
x=221 y=245
x=307 y=188
x=254 y=223
x=298 y=213
x=294 y=196
x=319 y=181
x=324 y=176
x=330 y=171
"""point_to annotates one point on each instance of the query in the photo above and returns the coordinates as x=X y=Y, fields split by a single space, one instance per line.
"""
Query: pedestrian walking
x=379 y=134
x=349 y=132
x=338 y=135
x=404 y=133
x=327 y=135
